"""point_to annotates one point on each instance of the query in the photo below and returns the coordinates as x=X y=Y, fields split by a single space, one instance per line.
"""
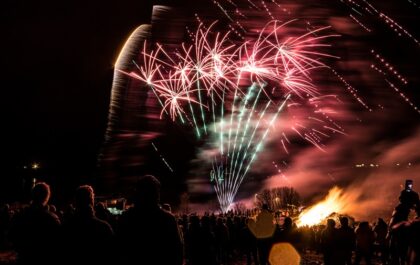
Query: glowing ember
x=335 y=202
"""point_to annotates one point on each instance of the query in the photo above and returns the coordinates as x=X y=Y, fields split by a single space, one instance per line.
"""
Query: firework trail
x=211 y=65
x=162 y=158
x=242 y=84
x=199 y=80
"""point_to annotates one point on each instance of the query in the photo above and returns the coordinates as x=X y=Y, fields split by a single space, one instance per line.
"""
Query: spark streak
x=211 y=72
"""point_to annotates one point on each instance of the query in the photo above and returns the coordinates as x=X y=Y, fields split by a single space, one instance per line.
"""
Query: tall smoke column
x=134 y=111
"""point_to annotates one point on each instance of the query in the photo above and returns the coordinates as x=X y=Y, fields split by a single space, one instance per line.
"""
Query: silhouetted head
x=363 y=226
x=84 y=197
x=147 y=191
x=288 y=222
x=194 y=221
x=52 y=208
x=205 y=222
x=100 y=206
x=167 y=207
x=250 y=221
x=330 y=223
x=219 y=221
x=5 y=208
x=265 y=206
x=41 y=193
x=344 y=221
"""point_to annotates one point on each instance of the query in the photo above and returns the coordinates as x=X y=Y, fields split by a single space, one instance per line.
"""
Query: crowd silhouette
x=86 y=232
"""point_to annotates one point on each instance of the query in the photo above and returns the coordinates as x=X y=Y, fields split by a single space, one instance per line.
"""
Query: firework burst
x=200 y=79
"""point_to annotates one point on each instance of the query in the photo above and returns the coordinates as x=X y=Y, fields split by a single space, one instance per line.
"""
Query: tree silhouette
x=279 y=198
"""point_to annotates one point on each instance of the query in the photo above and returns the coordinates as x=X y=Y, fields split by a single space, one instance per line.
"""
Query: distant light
x=35 y=166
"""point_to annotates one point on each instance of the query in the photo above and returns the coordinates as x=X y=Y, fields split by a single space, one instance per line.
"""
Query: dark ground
x=9 y=257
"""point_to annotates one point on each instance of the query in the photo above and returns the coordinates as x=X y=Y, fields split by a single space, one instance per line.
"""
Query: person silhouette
x=35 y=230
x=167 y=207
x=381 y=231
x=409 y=199
x=264 y=231
x=413 y=229
x=346 y=240
x=329 y=243
x=365 y=238
x=86 y=237
x=147 y=234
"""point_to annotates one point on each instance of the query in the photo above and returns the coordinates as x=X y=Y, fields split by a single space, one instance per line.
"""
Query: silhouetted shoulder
x=166 y=214
x=157 y=213
x=127 y=215
x=415 y=229
x=103 y=225
x=54 y=218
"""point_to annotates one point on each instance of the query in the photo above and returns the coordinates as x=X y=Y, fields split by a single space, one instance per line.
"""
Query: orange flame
x=335 y=202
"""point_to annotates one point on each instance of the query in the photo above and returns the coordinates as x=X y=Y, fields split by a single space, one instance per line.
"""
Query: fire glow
x=335 y=202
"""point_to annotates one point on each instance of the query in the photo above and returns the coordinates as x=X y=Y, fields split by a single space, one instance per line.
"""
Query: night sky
x=56 y=70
